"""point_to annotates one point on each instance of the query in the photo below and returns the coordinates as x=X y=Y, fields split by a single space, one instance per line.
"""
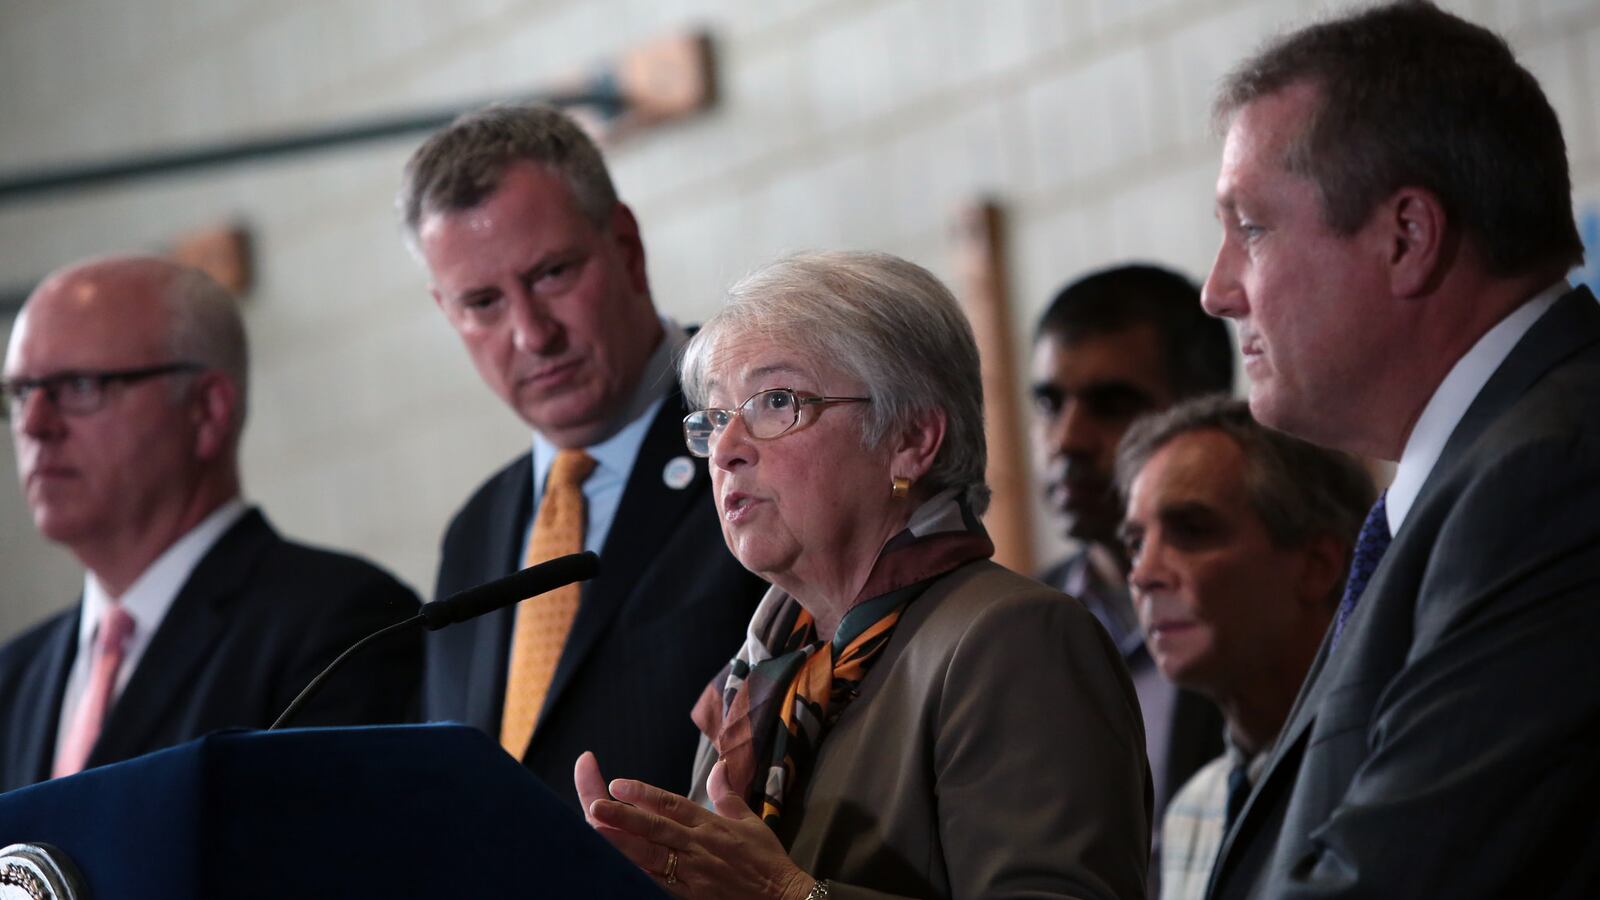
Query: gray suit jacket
x=1449 y=747
x=995 y=750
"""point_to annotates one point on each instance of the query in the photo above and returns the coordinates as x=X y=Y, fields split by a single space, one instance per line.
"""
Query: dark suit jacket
x=1194 y=729
x=1448 y=747
x=258 y=618
x=995 y=750
x=666 y=613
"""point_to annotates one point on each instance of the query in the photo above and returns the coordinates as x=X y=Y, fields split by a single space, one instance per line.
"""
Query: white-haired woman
x=905 y=717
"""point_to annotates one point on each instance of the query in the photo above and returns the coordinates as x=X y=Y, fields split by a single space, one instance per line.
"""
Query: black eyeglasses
x=766 y=414
x=80 y=393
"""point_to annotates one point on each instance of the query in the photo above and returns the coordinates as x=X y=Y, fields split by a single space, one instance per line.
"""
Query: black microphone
x=502 y=592
x=464 y=605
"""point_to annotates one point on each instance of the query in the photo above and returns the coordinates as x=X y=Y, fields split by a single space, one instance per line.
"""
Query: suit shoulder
x=1561 y=404
x=984 y=583
x=336 y=573
x=989 y=630
x=1536 y=456
x=1565 y=400
x=20 y=651
x=984 y=596
x=1057 y=574
x=514 y=478
x=1551 y=437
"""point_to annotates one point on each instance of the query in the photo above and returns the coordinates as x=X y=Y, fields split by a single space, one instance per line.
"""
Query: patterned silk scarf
x=769 y=709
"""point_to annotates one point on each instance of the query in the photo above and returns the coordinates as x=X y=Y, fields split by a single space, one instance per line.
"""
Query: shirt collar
x=151 y=594
x=614 y=455
x=1237 y=755
x=1452 y=398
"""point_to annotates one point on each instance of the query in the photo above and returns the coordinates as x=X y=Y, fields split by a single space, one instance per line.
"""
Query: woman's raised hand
x=691 y=851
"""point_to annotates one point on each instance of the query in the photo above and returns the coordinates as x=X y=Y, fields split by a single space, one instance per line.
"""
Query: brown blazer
x=995 y=750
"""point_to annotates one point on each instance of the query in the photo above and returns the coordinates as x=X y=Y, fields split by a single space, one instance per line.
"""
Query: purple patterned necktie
x=1370 y=544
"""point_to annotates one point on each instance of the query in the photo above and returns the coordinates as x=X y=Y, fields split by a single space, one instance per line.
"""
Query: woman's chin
x=761 y=557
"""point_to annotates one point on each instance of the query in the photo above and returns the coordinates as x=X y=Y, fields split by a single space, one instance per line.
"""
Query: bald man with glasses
x=125 y=390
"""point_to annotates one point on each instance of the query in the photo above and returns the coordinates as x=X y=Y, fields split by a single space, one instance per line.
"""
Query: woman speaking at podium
x=905 y=717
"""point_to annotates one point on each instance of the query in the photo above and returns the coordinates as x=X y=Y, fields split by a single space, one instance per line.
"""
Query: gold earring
x=900 y=487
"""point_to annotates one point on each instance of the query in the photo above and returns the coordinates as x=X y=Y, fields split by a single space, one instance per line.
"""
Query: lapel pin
x=678 y=473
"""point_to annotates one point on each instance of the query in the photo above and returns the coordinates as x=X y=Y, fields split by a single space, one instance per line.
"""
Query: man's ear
x=625 y=231
x=215 y=406
x=1416 y=239
x=917 y=444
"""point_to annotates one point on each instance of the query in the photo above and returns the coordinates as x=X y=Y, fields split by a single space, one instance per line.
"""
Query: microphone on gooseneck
x=502 y=592
x=467 y=604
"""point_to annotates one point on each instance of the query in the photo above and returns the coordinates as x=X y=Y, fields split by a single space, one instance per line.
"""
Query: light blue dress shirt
x=614 y=456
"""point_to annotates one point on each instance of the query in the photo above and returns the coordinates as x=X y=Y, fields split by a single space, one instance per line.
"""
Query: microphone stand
x=310 y=689
x=468 y=604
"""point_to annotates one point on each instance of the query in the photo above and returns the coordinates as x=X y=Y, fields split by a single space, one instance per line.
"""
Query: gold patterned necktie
x=543 y=621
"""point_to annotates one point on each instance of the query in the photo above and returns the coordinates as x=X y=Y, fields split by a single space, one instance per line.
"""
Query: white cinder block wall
x=842 y=123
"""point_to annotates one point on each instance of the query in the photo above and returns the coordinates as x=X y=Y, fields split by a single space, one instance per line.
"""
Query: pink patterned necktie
x=111 y=637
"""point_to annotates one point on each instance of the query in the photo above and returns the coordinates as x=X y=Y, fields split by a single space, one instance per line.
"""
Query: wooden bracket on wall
x=658 y=81
x=983 y=286
x=221 y=251
x=662 y=80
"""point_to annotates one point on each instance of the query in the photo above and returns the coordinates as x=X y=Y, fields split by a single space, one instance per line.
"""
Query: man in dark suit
x=1397 y=224
x=125 y=387
x=1114 y=345
x=541 y=271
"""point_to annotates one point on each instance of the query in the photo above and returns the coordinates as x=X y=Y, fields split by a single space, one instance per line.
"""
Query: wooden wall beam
x=983 y=286
x=661 y=80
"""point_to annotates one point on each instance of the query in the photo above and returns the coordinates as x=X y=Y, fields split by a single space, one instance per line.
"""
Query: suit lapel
x=491 y=633
x=187 y=636
x=1569 y=326
x=35 y=745
x=649 y=513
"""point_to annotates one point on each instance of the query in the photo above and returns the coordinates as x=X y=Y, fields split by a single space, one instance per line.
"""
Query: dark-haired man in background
x=1397 y=228
x=1112 y=346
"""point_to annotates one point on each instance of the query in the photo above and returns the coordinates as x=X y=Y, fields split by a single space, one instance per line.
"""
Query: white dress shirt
x=146 y=600
x=1454 y=396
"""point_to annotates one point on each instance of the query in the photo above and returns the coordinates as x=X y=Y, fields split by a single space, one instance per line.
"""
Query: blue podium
x=433 y=811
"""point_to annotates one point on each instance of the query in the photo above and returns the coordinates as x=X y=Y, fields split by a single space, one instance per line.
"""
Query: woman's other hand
x=692 y=852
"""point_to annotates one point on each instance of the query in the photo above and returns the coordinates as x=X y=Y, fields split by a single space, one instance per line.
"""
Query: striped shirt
x=1191 y=833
